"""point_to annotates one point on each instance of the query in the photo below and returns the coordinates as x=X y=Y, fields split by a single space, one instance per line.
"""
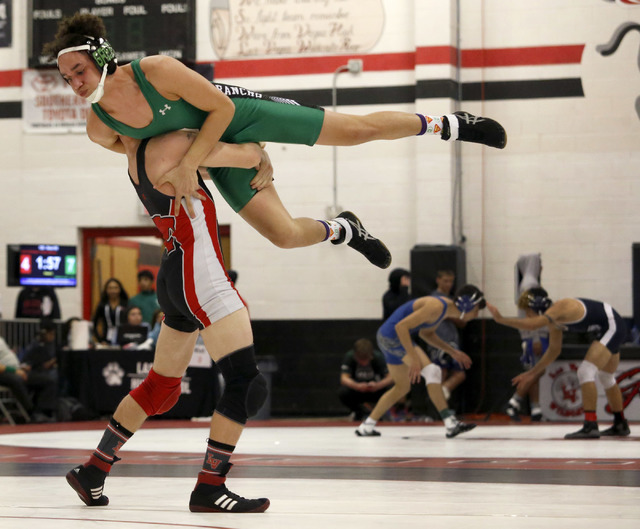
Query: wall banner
x=260 y=28
x=560 y=397
x=49 y=105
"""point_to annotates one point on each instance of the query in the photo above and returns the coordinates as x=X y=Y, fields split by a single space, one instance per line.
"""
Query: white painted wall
x=567 y=185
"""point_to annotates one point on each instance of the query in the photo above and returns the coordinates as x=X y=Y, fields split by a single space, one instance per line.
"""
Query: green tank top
x=168 y=115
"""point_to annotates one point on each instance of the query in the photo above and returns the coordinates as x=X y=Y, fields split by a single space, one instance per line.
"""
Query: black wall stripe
x=10 y=109
x=441 y=89
x=351 y=96
x=538 y=89
x=437 y=89
x=432 y=89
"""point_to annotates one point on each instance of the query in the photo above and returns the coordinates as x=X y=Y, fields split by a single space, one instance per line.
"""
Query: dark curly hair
x=73 y=31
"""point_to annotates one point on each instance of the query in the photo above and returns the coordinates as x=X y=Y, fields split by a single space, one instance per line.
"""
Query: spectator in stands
x=40 y=362
x=364 y=378
x=14 y=377
x=135 y=334
x=147 y=299
x=37 y=302
x=135 y=317
x=110 y=312
x=453 y=374
x=398 y=292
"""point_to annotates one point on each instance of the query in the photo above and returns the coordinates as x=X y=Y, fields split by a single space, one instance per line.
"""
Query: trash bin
x=267 y=365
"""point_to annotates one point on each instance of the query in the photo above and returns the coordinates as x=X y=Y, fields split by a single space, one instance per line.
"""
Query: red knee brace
x=157 y=394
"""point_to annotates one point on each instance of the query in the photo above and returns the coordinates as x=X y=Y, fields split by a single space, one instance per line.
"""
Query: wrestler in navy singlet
x=387 y=337
x=194 y=290
x=602 y=320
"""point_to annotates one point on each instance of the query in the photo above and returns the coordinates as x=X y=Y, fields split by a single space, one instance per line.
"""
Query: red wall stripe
x=311 y=65
x=571 y=54
x=437 y=55
x=487 y=58
x=10 y=78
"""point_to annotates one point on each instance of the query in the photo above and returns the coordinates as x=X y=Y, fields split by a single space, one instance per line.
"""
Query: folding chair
x=10 y=406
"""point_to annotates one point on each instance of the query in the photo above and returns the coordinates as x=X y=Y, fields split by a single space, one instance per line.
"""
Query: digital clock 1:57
x=50 y=263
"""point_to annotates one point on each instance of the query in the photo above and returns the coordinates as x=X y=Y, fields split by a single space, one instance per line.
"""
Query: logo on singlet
x=163 y=111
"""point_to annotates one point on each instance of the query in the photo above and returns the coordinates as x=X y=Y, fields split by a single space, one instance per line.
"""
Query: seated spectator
x=14 y=377
x=41 y=365
x=133 y=333
x=364 y=378
x=110 y=312
x=147 y=299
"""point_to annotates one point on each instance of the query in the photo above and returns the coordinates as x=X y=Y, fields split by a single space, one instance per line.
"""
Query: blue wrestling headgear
x=537 y=299
x=103 y=56
x=467 y=298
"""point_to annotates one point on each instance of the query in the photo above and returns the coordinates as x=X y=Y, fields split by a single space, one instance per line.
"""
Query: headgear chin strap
x=97 y=94
x=102 y=55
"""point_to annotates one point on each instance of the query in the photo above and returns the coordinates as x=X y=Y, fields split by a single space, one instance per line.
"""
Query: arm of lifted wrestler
x=165 y=152
x=174 y=80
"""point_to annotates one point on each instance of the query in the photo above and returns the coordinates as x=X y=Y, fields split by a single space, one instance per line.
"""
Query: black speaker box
x=427 y=259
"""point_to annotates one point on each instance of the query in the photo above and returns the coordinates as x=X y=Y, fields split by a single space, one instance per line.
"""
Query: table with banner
x=101 y=378
x=560 y=397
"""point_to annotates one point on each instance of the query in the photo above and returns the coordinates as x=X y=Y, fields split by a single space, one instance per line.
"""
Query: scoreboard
x=135 y=28
x=41 y=265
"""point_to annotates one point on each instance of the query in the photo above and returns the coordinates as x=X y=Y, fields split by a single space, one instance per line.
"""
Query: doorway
x=122 y=253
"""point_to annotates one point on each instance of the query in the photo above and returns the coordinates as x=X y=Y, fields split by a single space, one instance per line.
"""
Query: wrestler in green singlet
x=257 y=118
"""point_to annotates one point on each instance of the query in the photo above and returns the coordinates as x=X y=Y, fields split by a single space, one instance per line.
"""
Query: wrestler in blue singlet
x=387 y=337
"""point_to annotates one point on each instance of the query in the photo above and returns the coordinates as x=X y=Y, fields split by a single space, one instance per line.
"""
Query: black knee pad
x=245 y=388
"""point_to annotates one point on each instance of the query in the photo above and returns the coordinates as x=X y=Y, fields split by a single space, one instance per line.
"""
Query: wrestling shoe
x=463 y=126
x=459 y=428
x=620 y=429
x=362 y=431
x=361 y=240
x=536 y=414
x=588 y=431
x=218 y=498
x=88 y=482
x=513 y=412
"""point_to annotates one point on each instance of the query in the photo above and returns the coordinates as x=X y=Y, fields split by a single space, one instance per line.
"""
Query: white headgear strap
x=83 y=47
x=97 y=94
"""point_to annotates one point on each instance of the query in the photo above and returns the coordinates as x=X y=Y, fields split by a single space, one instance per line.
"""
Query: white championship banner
x=49 y=105
x=560 y=397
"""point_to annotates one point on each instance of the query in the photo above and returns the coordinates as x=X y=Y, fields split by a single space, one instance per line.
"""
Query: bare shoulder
x=97 y=131
x=155 y=67
x=427 y=305
x=565 y=309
